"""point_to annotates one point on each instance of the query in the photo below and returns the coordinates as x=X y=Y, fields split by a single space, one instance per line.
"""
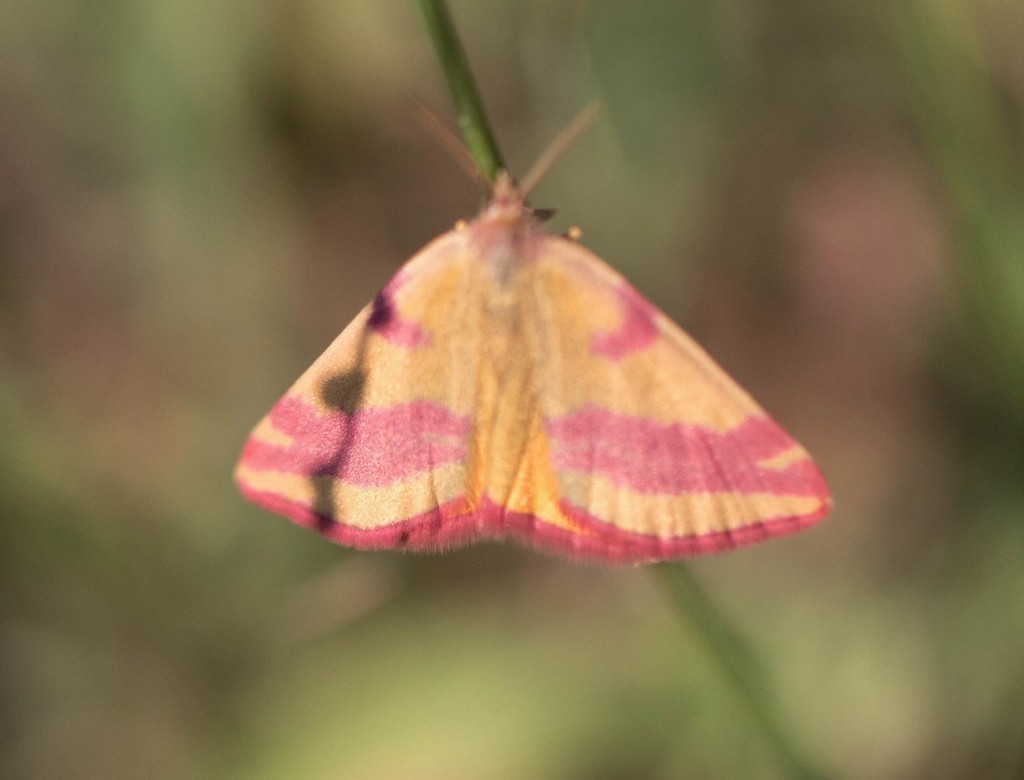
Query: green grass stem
x=468 y=106
x=738 y=664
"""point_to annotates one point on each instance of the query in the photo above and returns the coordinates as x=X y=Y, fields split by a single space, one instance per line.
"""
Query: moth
x=507 y=383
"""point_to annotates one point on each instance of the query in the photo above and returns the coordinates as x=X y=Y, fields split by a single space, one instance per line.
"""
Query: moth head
x=506 y=197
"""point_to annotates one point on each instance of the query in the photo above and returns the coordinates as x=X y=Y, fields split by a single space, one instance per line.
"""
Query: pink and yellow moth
x=507 y=383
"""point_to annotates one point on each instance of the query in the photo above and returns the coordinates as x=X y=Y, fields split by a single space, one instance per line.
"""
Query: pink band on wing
x=387 y=322
x=636 y=331
x=650 y=457
x=369 y=448
x=455 y=523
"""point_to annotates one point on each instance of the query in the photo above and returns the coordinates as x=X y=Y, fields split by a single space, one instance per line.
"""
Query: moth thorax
x=503 y=267
x=502 y=305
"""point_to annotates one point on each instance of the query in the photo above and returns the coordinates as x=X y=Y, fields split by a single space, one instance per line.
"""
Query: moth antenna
x=559 y=146
x=449 y=141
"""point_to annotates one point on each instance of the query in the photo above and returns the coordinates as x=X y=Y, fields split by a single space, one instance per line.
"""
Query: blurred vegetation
x=195 y=198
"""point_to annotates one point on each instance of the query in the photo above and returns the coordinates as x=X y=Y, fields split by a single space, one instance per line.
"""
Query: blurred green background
x=195 y=197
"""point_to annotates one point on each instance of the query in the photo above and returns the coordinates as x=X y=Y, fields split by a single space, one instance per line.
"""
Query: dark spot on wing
x=383 y=311
x=344 y=392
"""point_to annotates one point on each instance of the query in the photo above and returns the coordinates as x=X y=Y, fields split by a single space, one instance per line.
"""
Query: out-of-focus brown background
x=195 y=197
